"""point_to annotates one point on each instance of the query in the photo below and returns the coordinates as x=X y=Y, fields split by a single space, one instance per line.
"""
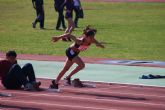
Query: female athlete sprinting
x=80 y=44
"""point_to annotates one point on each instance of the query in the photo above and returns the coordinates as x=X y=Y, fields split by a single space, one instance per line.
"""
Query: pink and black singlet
x=73 y=51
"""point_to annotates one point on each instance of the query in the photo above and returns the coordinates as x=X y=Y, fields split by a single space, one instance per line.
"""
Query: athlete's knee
x=82 y=66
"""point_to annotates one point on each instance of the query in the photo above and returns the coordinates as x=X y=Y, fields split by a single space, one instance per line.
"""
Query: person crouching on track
x=80 y=44
x=13 y=76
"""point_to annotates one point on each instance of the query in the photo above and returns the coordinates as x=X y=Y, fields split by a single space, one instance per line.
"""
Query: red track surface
x=103 y=97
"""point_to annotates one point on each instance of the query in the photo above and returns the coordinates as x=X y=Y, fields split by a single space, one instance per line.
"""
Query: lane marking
x=92 y=99
x=124 y=84
x=148 y=95
x=59 y=105
x=142 y=95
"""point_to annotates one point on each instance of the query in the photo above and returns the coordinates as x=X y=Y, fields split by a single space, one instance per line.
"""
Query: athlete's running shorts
x=70 y=53
x=68 y=15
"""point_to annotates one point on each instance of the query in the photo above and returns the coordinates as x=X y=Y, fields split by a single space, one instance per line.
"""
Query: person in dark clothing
x=38 y=5
x=77 y=7
x=12 y=76
x=59 y=7
x=69 y=4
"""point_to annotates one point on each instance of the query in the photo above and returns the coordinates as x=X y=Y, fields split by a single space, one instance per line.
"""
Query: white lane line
x=58 y=105
x=134 y=94
x=92 y=99
x=118 y=83
x=103 y=92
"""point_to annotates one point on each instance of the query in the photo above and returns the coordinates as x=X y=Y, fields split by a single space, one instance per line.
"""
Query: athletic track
x=105 y=96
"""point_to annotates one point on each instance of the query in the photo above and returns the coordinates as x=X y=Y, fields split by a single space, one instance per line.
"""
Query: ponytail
x=88 y=31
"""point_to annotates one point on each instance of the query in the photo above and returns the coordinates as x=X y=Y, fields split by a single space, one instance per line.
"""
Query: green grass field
x=130 y=30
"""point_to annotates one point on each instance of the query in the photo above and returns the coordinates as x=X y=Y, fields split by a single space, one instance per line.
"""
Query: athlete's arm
x=67 y=35
x=98 y=44
x=57 y=38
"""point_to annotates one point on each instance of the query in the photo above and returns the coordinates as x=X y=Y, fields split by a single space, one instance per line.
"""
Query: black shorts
x=71 y=54
x=68 y=15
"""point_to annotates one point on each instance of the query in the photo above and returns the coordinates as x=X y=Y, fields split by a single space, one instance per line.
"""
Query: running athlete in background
x=80 y=44
x=77 y=8
x=69 y=4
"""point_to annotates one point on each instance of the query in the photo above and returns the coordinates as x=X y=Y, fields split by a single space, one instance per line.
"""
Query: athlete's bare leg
x=71 y=26
x=80 y=66
x=68 y=64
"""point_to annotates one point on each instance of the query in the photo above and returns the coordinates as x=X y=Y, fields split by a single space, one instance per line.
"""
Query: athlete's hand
x=100 y=45
x=55 y=39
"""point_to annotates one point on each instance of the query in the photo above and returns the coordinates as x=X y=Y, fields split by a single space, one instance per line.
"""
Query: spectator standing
x=69 y=4
x=77 y=8
x=38 y=5
x=59 y=7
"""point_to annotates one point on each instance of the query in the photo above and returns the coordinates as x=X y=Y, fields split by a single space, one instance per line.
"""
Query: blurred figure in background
x=69 y=4
x=38 y=5
x=59 y=7
x=77 y=8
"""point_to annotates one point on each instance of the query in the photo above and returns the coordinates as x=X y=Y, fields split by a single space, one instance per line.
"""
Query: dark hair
x=11 y=53
x=88 y=31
